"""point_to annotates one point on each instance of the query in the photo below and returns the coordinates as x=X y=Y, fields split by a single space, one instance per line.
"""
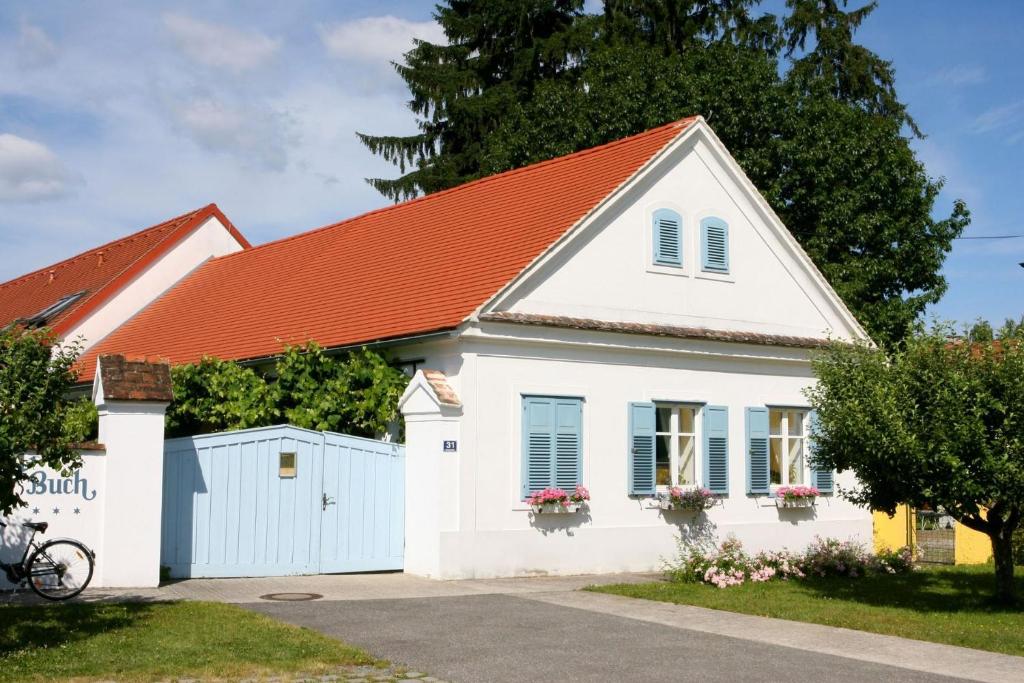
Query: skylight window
x=53 y=310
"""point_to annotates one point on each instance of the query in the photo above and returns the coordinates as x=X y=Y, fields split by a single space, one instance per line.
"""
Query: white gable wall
x=205 y=242
x=605 y=271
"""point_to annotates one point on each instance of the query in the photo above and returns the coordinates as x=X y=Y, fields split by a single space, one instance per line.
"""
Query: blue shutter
x=716 y=449
x=823 y=480
x=758 y=467
x=568 y=443
x=668 y=238
x=552 y=443
x=641 y=449
x=714 y=245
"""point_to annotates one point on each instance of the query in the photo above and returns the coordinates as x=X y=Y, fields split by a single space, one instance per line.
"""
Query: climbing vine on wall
x=354 y=393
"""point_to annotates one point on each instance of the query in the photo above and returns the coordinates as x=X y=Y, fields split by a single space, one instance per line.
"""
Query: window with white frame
x=787 y=438
x=675 y=444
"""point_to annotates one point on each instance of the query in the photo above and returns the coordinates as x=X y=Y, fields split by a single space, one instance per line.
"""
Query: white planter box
x=556 y=509
x=666 y=504
x=789 y=504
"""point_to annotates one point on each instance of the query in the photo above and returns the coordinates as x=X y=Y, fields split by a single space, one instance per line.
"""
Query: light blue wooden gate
x=230 y=510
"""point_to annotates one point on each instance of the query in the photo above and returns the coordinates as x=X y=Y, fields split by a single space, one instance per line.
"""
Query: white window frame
x=676 y=432
x=785 y=438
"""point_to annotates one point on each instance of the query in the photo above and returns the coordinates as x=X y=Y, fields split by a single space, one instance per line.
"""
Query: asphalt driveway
x=505 y=638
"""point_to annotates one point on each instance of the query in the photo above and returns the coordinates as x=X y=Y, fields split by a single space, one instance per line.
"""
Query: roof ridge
x=680 y=123
x=71 y=259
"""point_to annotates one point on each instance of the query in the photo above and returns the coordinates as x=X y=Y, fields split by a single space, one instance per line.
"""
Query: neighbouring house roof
x=409 y=269
x=73 y=288
x=656 y=330
x=121 y=379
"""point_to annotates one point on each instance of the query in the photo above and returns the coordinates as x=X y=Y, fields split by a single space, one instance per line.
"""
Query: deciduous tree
x=936 y=424
x=36 y=375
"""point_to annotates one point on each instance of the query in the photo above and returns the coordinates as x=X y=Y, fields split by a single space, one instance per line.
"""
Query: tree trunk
x=1002 y=552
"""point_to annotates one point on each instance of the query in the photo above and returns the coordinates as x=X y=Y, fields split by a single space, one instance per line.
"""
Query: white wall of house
x=485 y=528
x=205 y=242
x=604 y=270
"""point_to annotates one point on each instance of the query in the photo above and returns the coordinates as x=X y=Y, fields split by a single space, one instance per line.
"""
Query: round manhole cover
x=291 y=597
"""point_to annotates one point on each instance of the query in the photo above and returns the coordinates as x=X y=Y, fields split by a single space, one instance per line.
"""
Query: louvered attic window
x=714 y=245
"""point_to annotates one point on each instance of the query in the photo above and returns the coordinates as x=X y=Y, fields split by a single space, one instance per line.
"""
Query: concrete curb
x=934 y=658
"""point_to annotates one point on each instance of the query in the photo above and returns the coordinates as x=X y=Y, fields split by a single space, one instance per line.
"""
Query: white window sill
x=716 y=277
x=680 y=271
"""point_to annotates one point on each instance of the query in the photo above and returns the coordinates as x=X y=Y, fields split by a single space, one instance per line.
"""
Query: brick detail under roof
x=678 y=331
x=438 y=381
x=135 y=380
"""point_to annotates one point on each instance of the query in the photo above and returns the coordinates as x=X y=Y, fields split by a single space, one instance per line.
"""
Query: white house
x=627 y=317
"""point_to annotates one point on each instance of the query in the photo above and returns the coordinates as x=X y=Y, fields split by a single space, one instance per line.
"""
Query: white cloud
x=961 y=74
x=220 y=46
x=35 y=48
x=377 y=39
x=29 y=171
x=998 y=117
x=252 y=134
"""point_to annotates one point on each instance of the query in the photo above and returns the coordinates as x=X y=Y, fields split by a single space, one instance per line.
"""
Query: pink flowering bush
x=792 y=494
x=898 y=561
x=689 y=499
x=729 y=565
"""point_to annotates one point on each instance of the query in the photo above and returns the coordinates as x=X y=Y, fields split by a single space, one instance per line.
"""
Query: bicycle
x=56 y=570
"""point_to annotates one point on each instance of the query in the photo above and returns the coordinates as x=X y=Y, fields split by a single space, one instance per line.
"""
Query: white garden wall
x=74 y=506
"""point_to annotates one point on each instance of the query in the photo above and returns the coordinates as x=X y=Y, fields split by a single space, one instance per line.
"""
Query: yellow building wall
x=971 y=547
x=890 y=533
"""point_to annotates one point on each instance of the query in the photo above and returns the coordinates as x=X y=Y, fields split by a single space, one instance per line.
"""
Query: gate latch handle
x=327 y=500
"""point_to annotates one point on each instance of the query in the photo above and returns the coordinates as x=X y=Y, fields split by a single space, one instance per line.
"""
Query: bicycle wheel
x=60 y=569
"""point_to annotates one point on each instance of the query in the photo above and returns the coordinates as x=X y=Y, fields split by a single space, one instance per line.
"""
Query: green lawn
x=143 y=642
x=947 y=605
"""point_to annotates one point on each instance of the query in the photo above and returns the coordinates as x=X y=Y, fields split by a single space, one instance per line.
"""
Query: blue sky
x=115 y=116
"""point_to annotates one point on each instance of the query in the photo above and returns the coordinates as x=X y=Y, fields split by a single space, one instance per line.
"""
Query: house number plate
x=451 y=446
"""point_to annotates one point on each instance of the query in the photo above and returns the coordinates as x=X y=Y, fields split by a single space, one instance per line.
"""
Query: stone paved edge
x=935 y=658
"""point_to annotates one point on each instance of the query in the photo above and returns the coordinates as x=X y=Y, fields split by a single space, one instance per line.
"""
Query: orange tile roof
x=412 y=268
x=100 y=272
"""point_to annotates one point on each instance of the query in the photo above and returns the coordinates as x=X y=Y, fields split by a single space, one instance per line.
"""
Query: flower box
x=795 y=496
x=686 y=500
x=799 y=503
x=558 y=501
x=555 y=508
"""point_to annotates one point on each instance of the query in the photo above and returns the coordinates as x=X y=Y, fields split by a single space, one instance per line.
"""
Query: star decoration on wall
x=56 y=511
x=77 y=511
x=35 y=511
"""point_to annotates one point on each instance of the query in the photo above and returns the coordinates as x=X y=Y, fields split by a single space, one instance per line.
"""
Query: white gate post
x=432 y=412
x=131 y=397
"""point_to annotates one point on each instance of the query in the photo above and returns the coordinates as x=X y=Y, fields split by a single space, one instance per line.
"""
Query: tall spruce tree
x=497 y=52
x=524 y=80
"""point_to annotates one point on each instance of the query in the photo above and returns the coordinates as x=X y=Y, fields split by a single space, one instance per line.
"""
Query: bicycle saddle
x=37 y=526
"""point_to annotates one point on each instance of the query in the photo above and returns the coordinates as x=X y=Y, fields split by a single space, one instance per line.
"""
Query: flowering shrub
x=893 y=561
x=728 y=564
x=793 y=494
x=832 y=557
x=557 y=496
x=689 y=499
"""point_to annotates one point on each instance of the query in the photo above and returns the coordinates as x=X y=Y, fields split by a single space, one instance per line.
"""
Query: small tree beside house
x=935 y=424
x=35 y=378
